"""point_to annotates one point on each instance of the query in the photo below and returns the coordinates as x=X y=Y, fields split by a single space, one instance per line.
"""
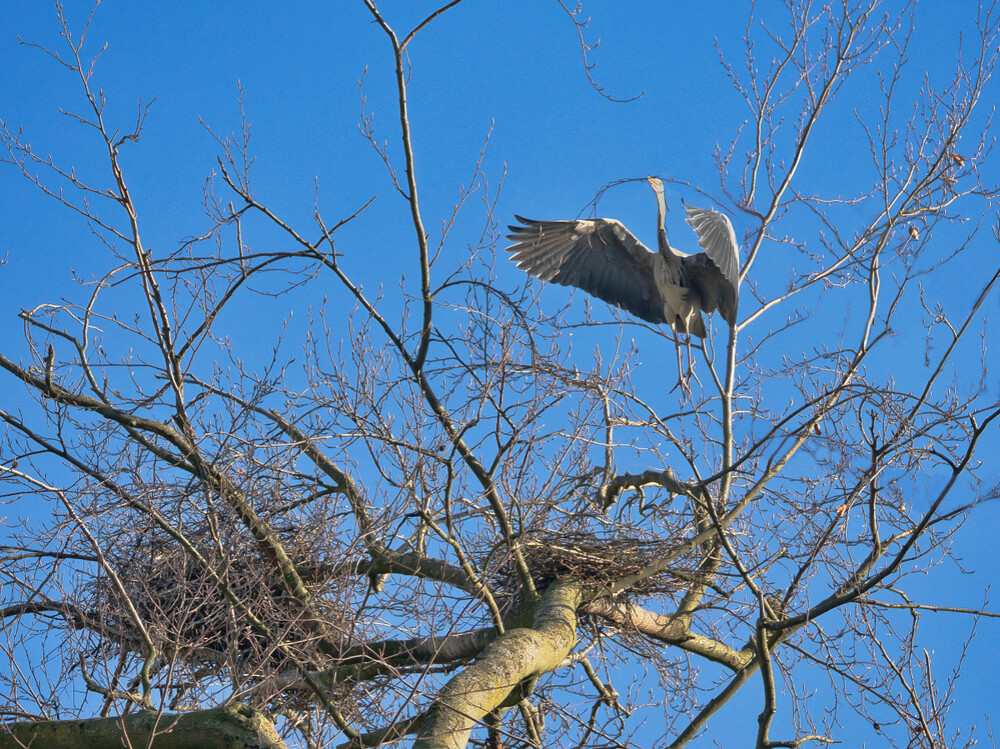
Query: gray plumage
x=605 y=259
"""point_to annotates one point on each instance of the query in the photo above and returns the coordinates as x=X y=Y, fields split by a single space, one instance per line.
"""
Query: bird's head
x=657 y=184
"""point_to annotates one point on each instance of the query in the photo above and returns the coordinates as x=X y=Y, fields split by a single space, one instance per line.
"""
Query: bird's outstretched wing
x=717 y=238
x=600 y=256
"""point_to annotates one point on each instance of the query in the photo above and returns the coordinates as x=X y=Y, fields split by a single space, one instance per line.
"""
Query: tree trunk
x=518 y=655
x=232 y=727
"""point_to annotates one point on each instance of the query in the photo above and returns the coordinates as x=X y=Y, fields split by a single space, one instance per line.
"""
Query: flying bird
x=606 y=260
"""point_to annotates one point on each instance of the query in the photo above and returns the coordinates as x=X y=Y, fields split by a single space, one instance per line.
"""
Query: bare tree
x=421 y=519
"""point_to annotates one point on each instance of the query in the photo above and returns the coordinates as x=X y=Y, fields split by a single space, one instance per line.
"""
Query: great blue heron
x=605 y=259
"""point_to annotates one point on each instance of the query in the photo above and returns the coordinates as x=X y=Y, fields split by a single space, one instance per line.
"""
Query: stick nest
x=188 y=612
x=594 y=559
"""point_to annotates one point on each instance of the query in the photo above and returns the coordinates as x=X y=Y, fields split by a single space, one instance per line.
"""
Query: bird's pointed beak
x=657 y=184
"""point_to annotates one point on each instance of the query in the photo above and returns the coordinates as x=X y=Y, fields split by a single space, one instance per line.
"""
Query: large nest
x=594 y=559
x=189 y=610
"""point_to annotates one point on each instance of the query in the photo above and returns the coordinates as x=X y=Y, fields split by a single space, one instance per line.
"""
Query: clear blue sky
x=513 y=66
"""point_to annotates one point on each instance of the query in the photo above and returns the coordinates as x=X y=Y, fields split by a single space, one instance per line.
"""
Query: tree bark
x=516 y=656
x=231 y=727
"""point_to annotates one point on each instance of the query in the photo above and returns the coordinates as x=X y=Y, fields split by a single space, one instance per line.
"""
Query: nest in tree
x=186 y=609
x=593 y=559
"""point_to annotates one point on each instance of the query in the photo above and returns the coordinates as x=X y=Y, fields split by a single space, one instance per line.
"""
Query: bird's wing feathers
x=600 y=256
x=715 y=274
x=717 y=238
x=712 y=290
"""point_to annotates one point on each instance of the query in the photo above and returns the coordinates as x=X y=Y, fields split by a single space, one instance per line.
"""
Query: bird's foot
x=684 y=385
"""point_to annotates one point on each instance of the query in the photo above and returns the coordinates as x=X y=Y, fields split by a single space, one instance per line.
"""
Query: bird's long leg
x=691 y=372
x=682 y=377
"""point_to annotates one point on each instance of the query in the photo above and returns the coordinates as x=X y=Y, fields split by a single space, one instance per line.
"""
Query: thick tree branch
x=517 y=656
x=231 y=727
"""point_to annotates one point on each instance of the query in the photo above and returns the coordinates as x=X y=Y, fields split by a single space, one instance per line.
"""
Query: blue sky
x=510 y=70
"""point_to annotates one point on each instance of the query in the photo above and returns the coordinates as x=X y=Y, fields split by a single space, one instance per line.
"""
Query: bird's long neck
x=661 y=224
